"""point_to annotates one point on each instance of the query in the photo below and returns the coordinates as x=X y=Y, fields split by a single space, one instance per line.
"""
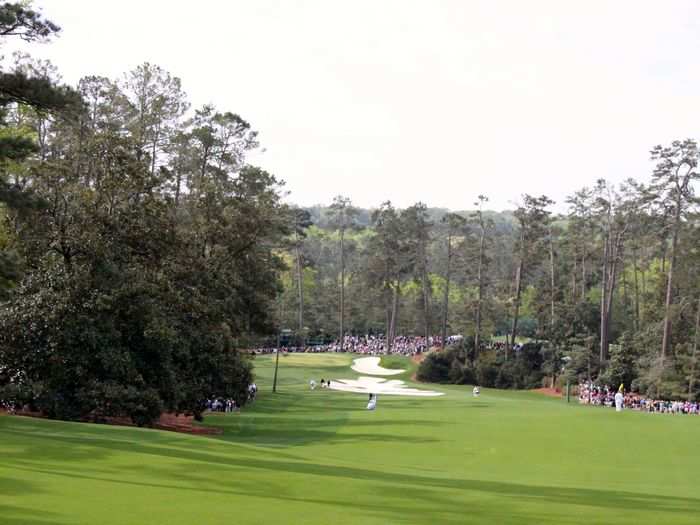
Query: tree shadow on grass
x=239 y=459
x=62 y=455
x=14 y=487
x=299 y=430
x=15 y=515
x=452 y=499
x=295 y=419
x=259 y=435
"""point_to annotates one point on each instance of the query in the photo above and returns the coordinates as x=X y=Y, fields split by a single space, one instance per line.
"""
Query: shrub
x=522 y=370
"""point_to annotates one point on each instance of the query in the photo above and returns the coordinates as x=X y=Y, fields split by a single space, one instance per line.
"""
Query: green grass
x=303 y=457
x=399 y=362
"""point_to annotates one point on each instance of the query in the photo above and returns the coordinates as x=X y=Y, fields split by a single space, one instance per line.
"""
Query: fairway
x=318 y=457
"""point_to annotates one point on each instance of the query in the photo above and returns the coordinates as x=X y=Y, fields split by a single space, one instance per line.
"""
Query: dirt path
x=551 y=392
x=418 y=359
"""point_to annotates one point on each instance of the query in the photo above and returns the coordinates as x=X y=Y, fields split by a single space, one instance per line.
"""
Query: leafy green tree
x=156 y=104
x=20 y=20
x=672 y=186
x=22 y=91
x=417 y=227
x=533 y=219
x=388 y=262
x=484 y=227
x=302 y=221
x=343 y=215
x=139 y=282
x=454 y=225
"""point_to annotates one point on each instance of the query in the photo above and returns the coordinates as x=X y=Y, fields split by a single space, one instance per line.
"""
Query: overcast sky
x=436 y=101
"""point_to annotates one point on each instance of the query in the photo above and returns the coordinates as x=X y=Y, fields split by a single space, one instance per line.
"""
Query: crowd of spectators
x=290 y=349
x=499 y=346
x=218 y=404
x=221 y=405
x=592 y=394
x=369 y=344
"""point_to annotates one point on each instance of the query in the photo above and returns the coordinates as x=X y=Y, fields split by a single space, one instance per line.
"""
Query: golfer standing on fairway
x=619 y=398
x=372 y=404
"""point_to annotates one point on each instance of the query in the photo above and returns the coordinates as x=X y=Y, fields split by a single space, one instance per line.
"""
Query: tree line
x=608 y=290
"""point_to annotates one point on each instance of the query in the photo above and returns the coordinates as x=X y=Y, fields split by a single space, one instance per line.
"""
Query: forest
x=140 y=252
x=606 y=291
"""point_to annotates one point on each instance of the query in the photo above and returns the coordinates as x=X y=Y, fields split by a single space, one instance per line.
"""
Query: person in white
x=475 y=392
x=619 y=401
x=372 y=404
x=312 y=384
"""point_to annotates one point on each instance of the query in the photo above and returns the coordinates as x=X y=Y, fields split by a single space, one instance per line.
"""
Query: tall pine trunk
x=388 y=297
x=691 y=378
x=446 y=296
x=666 y=341
x=551 y=277
x=480 y=294
x=636 y=289
x=300 y=288
x=394 y=314
x=153 y=150
x=583 y=273
x=516 y=306
x=426 y=302
x=612 y=281
x=387 y=338
x=604 y=303
x=342 y=286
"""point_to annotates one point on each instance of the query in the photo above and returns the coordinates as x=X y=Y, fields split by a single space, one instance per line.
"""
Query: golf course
x=319 y=457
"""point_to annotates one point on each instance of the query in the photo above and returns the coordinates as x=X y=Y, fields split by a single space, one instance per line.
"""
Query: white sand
x=370 y=365
x=379 y=385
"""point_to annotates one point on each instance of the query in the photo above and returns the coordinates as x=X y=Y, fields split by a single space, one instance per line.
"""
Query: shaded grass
x=317 y=457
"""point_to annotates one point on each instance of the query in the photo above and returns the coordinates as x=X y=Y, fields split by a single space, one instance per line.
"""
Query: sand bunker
x=378 y=385
x=370 y=365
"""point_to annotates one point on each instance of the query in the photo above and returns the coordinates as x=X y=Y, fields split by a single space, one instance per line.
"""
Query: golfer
x=372 y=402
x=619 y=399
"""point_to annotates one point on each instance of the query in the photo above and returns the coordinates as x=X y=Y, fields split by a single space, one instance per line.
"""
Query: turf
x=319 y=458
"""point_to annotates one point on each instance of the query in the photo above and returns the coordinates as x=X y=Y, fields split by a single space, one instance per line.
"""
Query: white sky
x=434 y=100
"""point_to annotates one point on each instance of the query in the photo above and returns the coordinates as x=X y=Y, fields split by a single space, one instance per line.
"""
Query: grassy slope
x=399 y=362
x=319 y=457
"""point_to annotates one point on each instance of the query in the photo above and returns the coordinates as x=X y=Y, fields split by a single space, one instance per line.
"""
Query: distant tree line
x=608 y=291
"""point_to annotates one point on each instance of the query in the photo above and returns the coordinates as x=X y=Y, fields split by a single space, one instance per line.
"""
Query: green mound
x=318 y=457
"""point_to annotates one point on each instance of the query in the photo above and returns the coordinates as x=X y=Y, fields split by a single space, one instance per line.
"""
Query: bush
x=435 y=368
x=76 y=349
x=522 y=370
x=486 y=369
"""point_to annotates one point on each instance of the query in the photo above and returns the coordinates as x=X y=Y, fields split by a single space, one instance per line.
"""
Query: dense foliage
x=138 y=247
x=522 y=370
x=610 y=290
